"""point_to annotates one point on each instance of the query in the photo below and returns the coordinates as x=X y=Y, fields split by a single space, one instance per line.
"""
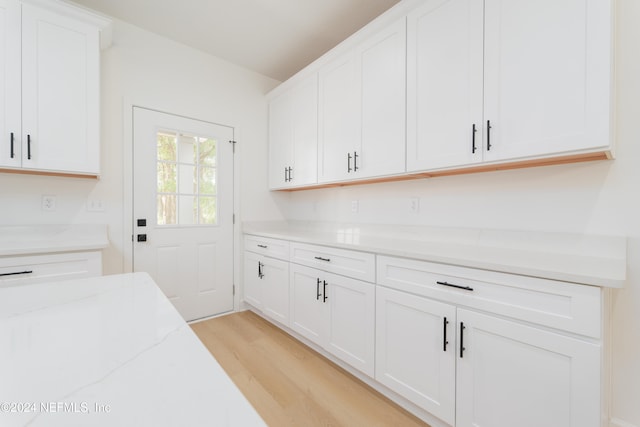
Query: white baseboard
x=615 y=422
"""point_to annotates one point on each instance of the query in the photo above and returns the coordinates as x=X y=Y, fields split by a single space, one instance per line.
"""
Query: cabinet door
x=280 y=140
x=413 y=356
x=10 y=136
x=547 y=76
x=444 y=84
x=382 y=74
x=308 y=310
x=339 y=118
x=305 y=133
x=275 y=293
x=351 y=323
x=253 y=279
x=509 y=372
x=60 y=93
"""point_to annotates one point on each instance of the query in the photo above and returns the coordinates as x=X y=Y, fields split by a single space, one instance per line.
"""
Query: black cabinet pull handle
x=488 y=135
x=318 y=290
x=462 y=349
x=17 y=273
x=12 y=153
x=322 y=259
x=355 y=161
x=286 y=177
x=290 y=169
x=444 y=330
x=348 y=162
x=473 y=138
x=324 y=291
x=451 y=285
x=262 y=246
x=260 y=274
x=29 y=147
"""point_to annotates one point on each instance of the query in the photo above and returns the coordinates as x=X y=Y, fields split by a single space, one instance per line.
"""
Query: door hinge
x=132 y=237
x=234 y=218
x=234 y=290
x=234 y=145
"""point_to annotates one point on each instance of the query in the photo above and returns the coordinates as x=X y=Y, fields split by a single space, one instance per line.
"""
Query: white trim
x=127 y=190
x=615 y=422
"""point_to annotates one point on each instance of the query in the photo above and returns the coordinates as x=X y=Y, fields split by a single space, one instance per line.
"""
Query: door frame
x=127 y=208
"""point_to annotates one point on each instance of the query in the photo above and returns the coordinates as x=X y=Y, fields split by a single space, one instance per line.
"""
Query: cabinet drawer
x=21 y=270
x=566 y=306
x=359 y=265
x=269 y=247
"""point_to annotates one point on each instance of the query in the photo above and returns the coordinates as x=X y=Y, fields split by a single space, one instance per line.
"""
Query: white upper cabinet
x=444 y=84
x=293 y=136
x=52 y=84
x=547 y=76
x=362 y=109
x=10 y=147
x=533 y=79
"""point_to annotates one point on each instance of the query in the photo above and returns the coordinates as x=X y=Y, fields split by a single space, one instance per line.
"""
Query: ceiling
x=275 y=38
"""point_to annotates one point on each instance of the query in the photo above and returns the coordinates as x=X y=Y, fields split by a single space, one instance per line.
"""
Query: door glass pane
x=208 y=211
x=166 y=209
x=207 y=181
x=187 y=149
x=188 y=182
x=166 y=177
x=187 y=210
x=207 y=154
x=167 y=146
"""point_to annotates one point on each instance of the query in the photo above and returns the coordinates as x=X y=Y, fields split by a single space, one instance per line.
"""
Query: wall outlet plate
x=95 y=205
x=49 y=203
x=355 y=206
x=414 y=205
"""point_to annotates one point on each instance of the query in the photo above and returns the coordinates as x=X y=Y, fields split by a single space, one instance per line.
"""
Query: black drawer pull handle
x=324 y=291
x=462 y=349
x=322 y=259
x=451 y=285
x=262 y=246
x=444 y=341
x=16 y=273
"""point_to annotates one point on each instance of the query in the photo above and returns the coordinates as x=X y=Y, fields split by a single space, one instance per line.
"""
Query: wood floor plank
x=289 y=383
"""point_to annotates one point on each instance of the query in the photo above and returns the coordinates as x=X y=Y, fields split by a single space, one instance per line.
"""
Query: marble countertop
x=586 y=259
x=34 y=239
x=108 y=351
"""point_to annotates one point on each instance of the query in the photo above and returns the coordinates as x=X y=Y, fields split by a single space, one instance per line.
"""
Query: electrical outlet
x=414 y=205
x=95 y=205
x=49 y=203
x=354 y=206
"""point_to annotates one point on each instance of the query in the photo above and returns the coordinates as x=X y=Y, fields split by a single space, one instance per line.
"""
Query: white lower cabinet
x=266 y=285
x=515 y=375
x=335 y=312
x=415 y=350
x=41 y=268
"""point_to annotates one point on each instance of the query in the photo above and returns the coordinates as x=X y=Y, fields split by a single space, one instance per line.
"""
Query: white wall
x=599 y=197
x=147 y=69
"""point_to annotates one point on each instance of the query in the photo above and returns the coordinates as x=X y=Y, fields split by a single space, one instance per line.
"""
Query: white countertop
x=587 y=259
x=108 y=351
x=33 y=239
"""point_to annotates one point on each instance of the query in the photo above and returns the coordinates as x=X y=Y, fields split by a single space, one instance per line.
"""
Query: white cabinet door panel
x=339 y=118
x=444 y=84
x=382 y=65
x=305 y=133
x=412 y=358
x=547 y=76
x=10 y=115
x=275 y=294
x=60 y=93
x=351 y=332
x=280 y=140
x=308 y=313
x=515 y=375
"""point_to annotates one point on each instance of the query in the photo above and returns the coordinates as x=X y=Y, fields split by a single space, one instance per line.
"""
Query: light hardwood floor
x=290 y=384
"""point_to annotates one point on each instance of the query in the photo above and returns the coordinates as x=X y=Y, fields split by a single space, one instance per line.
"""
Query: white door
x=444 y=84
x=515 y=375
x=183 y=189
x=415 y=350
